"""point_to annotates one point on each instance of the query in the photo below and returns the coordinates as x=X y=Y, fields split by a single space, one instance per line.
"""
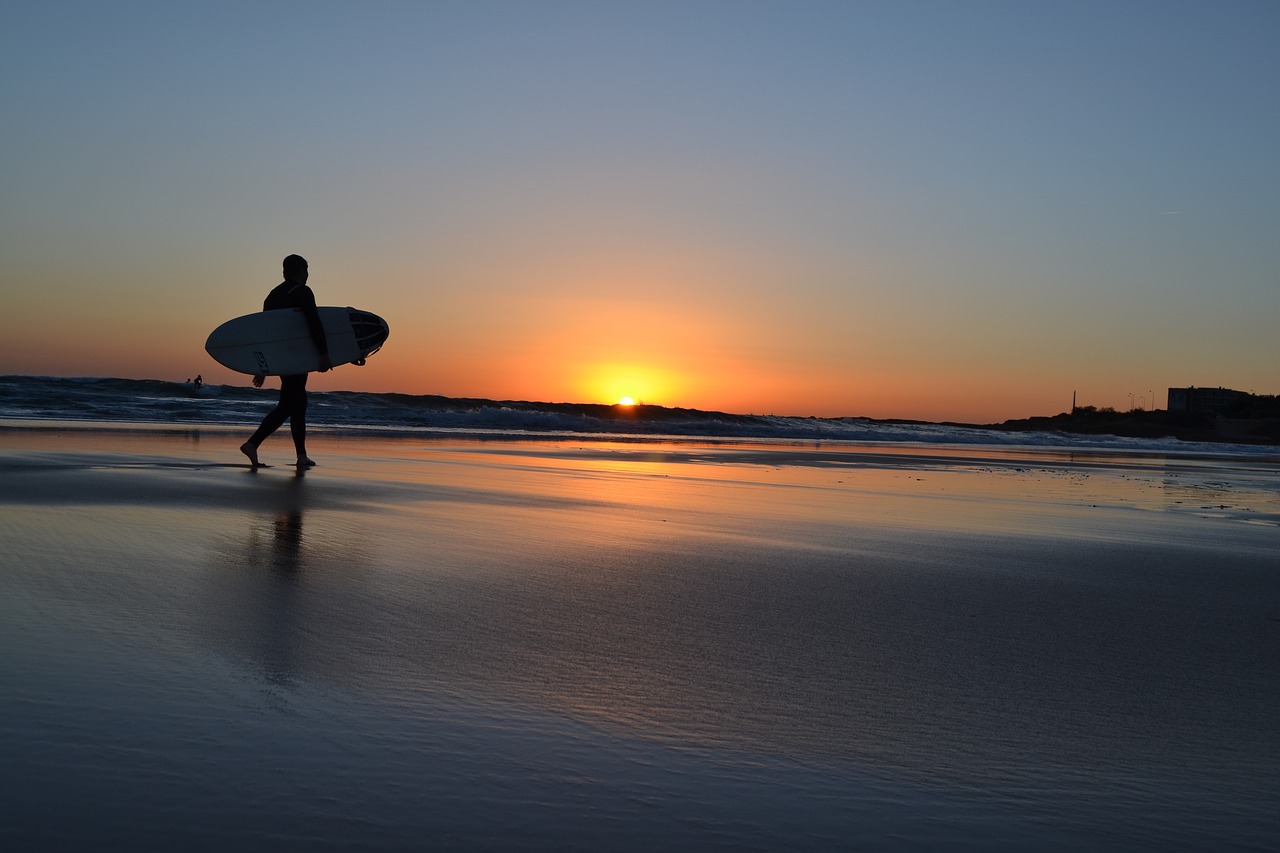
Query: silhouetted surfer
x=291 y=293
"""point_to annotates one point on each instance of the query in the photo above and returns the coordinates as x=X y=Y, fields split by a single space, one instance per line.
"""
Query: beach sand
x=571 y=644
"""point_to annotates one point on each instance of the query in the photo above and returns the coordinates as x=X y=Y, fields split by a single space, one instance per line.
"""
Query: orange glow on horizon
x=604 y=337
x=628 y=384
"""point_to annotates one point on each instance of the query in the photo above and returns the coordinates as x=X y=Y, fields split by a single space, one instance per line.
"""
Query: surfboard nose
x=371 y=330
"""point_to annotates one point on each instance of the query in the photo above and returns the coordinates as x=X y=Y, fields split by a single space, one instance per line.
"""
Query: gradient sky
x=950 y=210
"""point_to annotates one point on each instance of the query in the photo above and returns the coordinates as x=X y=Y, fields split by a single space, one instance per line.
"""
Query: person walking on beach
x=291 y=293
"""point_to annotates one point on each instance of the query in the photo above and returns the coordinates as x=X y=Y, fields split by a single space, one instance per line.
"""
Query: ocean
x=101 y=400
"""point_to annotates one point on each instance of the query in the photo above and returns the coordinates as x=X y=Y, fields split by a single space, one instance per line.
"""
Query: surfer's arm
x=308 y=306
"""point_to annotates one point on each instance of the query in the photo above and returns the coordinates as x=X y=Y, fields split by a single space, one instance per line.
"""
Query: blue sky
x=944 y=210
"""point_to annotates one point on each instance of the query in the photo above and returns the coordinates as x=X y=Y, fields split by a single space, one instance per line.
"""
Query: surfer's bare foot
x=305 y=462
x=252 y=452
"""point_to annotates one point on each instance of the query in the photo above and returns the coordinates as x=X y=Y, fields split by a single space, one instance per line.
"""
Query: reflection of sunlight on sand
x=773 y=498
x=821 y=600
x=715 y=598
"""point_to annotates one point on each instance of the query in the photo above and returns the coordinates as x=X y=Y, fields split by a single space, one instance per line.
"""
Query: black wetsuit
x=293 y=389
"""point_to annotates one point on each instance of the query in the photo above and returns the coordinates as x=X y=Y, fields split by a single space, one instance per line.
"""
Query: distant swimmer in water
x=291 y=293
x=198 y=381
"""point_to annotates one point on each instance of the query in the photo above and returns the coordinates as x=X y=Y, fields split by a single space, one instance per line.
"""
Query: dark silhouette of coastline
x=1255 y=421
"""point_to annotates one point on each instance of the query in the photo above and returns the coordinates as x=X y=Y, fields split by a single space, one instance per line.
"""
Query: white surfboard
x=278 y=343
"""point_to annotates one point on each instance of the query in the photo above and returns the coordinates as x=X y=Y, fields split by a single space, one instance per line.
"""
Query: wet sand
x=589 y=645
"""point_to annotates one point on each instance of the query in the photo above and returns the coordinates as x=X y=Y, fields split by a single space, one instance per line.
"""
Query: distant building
x=1205 y=401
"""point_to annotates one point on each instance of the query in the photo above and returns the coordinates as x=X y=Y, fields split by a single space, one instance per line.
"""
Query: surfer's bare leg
x=293 y=394
x=292 y=406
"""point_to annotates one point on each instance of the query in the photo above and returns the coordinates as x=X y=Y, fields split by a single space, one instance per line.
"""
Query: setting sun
x=629 y=384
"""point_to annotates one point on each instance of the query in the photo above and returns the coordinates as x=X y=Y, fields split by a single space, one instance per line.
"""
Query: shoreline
x=1181 y=449
x=1246 y=486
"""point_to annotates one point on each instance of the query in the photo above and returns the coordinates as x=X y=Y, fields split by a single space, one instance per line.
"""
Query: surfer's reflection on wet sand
x=255 y=604
x=287 y=550
x=286 y=541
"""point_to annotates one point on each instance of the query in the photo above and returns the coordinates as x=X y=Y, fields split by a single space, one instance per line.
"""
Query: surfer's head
x=295 y=268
